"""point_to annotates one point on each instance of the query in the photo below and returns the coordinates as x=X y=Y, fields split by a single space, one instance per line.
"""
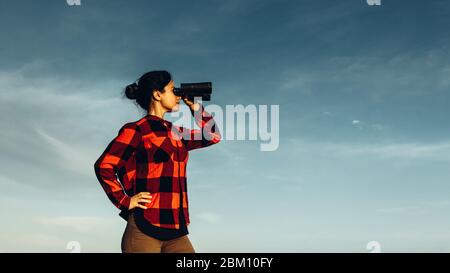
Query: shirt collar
x=153 y=117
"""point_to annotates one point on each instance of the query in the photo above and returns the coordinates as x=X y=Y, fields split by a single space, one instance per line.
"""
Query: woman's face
x=169 y=100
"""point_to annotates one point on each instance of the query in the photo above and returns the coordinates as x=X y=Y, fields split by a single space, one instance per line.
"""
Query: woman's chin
x=175 y=108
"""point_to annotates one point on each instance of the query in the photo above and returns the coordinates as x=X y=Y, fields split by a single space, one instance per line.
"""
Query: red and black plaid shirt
x=150 y=155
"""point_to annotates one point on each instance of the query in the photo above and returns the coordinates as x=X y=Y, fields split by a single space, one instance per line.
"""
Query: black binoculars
x=195 y=89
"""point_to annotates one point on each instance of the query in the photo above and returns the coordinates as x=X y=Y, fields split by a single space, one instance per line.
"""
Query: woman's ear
x=156 y=95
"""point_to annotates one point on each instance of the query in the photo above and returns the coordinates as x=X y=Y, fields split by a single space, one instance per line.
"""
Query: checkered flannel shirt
x=151 y=155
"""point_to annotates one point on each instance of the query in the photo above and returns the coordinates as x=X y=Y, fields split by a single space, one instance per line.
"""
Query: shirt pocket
x=159 y=147
x=161 y=155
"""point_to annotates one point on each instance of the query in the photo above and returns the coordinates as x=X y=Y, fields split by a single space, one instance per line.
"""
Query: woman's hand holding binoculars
x=193 y=105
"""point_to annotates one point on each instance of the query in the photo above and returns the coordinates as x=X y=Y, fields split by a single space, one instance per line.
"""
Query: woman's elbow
x=216 y=138
x=97 y=165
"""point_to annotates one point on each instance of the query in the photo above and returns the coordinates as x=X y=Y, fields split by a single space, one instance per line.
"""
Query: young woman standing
x=149 y=157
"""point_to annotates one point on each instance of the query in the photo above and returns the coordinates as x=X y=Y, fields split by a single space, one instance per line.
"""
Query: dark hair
x=142 y=89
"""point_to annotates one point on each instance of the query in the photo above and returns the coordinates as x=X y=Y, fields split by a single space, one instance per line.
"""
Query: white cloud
x=400 y=209
x=32 y=242
x=81 y=223
x=423 y=207
x=298 y=81
x=52 y=125
x=410 y=150
x=209 y=217
x=72 y=158
x=437 y=151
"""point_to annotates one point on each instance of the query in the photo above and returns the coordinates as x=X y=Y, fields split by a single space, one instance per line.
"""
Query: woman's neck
x=156 y=110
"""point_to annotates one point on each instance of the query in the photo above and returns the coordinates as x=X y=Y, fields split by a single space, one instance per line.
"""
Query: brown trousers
x=134 y=241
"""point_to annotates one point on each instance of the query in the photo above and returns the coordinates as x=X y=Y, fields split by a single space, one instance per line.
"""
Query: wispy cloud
x=209 y=217
x=80 y=223
x=423 y=207
x=34 y=242
x=409 y=150
x=66 y=120
x=434 y=151
x=78 y=159
x=361 y=125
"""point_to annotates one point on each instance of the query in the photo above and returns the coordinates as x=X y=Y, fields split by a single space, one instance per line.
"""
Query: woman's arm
x=115 y=156
x=207 y=135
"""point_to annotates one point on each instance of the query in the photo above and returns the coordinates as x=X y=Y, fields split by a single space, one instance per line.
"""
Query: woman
x=149 y=157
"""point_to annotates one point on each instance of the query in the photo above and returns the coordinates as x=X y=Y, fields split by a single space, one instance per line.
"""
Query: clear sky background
x=364 y=107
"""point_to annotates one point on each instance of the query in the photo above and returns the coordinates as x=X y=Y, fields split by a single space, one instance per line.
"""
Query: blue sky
x=363 y=93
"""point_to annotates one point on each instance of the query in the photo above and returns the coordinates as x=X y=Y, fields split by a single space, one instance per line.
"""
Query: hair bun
x=131 y=91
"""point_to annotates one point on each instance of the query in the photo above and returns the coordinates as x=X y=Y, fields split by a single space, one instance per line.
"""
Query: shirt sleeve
x=207 y=135
x=115 y=156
